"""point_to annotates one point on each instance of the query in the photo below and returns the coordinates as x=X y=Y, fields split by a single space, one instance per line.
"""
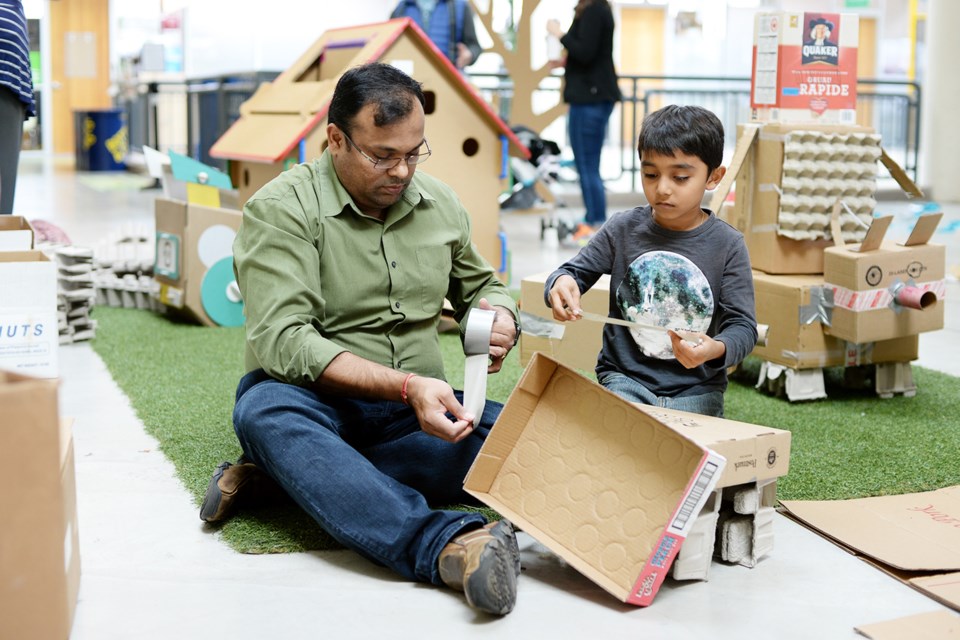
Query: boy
x=674 y=267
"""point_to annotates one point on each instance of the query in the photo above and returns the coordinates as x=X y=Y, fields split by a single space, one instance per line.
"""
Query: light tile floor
x=152 y=571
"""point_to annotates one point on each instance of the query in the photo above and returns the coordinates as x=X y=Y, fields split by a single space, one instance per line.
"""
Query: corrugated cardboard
x=790 y=306
x=913 y=537
x=793 y=79
x=753 y=453
x=934 y=625
x=180 y=266
x=29 y=334
x=16 y=234
x=39 y=541
x=581 y=341
x=863 y=281
x=756 y=209
x=604 y=485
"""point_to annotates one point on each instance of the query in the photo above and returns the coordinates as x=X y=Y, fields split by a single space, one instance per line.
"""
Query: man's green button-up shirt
x=319 y=278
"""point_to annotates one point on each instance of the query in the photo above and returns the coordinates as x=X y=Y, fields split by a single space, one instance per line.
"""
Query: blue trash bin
x=100 y=139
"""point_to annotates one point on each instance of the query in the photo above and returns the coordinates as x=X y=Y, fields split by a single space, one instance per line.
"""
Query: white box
x=16 y=234
x=29 y=335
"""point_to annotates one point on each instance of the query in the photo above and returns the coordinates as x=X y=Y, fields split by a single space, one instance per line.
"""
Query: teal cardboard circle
x=213 y=295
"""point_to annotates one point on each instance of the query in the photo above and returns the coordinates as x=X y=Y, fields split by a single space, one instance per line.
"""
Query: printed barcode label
x=690 y=504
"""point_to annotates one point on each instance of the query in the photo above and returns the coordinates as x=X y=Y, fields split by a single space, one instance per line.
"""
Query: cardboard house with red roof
x=285 y=121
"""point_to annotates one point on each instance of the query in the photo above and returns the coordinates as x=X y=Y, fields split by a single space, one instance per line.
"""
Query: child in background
x=675 y=267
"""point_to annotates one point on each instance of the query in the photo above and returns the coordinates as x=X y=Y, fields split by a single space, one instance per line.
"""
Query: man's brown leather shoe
x=482 y=564
x=234 y=485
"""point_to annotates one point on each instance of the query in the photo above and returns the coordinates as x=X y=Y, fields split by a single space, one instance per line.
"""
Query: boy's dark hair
x=691 y=130
x=384 y=85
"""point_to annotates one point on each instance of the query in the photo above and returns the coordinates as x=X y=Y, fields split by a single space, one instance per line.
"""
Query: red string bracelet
x=403 y=389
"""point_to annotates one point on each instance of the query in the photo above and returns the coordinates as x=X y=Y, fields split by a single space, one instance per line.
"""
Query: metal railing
x=891 y=107
x=210 y=105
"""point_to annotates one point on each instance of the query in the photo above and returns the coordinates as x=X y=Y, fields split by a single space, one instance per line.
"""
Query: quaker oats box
x=805 y=67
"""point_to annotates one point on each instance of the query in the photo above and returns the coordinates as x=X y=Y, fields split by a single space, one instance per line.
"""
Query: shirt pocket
x=435 y=264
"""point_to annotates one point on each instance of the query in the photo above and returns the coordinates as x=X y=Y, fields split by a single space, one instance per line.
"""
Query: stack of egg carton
x=76 y=293
x=818 y=168
x=735 y=526
x=124 y=269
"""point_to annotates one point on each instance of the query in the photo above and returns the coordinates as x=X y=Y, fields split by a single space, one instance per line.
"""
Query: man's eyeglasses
x=385 y=164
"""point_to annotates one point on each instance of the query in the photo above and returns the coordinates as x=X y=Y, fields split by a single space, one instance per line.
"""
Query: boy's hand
x=694 y=354
x=565 y=299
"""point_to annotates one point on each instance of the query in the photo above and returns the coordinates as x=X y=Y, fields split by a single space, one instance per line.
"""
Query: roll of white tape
x=476 y=346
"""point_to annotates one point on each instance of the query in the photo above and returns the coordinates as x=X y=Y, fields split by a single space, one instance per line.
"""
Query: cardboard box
x=912 y=537
x=29 y=332
x=795 y=308
x=39 y=541
x=805 y=67
x=194 y=261
x=757 y=206
x=741 y=511
x=16 y=234
x=866 y=280
x=605 y=486
x=581 y=341
x=753 y=453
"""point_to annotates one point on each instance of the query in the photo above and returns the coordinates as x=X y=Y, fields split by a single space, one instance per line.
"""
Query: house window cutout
x=334 y=58
x=470 y=147
x=429 y=102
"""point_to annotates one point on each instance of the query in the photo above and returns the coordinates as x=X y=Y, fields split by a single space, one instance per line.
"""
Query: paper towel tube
x=915 y=297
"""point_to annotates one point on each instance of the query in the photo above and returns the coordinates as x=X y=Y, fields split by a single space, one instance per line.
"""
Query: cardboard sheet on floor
x=923 y=626
x=913 y=537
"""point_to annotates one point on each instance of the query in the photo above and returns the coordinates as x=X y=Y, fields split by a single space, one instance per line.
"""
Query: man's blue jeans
x=364 y=470
x=587 y=128
x=706 y=404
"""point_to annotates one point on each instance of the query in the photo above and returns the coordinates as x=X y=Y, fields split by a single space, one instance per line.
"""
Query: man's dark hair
x=691 y=130
x=384 y=85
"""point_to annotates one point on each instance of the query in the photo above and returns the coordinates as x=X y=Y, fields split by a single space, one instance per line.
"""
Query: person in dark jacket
x=448 y=24
x=591 y=90
x=16 y=95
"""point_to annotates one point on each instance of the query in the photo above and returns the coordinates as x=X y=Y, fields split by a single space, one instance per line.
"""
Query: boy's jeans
x=707 y=404
x=364 y=470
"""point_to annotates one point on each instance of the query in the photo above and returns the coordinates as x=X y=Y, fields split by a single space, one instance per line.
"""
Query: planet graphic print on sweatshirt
x=665 y=289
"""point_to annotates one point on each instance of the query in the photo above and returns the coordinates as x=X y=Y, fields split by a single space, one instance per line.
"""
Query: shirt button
x=394 y=264
x=396 y=304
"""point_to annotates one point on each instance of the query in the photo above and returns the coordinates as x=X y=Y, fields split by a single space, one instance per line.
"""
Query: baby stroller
x=533 y=182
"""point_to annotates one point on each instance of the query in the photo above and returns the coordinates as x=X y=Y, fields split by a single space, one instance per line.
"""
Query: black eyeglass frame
x=386 y=164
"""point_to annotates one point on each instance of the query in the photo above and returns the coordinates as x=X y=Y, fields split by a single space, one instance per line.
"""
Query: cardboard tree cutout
x=517 y=61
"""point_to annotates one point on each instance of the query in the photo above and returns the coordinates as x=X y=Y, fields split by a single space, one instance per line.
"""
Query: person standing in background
x=448 y=24
x=16 y=95
x=590 y=88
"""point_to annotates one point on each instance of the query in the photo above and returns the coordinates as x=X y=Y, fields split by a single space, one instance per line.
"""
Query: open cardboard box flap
x=607 y=487
x=913 y=537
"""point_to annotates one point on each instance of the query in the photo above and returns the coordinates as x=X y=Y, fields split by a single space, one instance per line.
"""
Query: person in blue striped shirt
x=16 y=95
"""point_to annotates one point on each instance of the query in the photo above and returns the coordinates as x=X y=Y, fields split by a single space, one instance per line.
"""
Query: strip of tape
x=540 y=327
x=476 y=346
x=870 y=299
x=820 y=308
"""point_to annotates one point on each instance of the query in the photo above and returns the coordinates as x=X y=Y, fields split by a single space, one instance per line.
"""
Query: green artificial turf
x=181 y=379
